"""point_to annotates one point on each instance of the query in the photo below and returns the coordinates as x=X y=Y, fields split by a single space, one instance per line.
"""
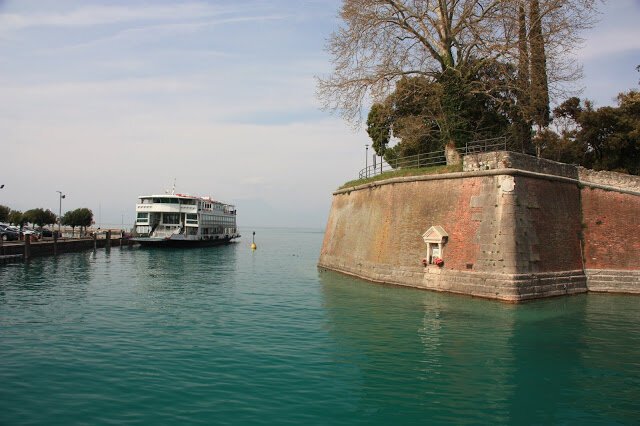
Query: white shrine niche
x=435 y=238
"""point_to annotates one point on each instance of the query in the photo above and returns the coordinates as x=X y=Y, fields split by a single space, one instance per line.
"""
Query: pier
x=22 y=250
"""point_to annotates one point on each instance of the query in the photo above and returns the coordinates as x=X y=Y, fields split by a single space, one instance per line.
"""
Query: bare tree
x=381 y=41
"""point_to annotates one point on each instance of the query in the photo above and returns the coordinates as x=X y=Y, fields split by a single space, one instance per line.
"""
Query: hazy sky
x=108 y=100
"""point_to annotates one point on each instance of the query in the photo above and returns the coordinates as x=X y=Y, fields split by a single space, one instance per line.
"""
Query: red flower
x=438 y=261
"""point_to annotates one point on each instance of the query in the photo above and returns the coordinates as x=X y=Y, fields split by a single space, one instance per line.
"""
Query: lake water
x=225 y=335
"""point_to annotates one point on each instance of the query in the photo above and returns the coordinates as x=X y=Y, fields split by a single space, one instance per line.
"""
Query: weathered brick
x=527 y=242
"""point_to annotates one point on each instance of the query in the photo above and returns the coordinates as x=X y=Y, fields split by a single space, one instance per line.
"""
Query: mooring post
x=95 y=243
x=27 y=247
x=108 y=237
x=55 y=243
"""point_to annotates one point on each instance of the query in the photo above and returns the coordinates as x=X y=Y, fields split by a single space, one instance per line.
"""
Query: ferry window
x=170 y=218
x=142 y=217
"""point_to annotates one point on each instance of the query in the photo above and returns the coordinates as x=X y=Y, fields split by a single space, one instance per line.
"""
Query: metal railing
x=435 y=158
x=485 y=145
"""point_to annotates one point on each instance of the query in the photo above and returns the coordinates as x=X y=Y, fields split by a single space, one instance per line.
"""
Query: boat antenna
x=173 y=190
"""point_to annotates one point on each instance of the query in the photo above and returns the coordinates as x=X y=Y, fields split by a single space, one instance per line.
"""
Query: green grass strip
x=432 y=170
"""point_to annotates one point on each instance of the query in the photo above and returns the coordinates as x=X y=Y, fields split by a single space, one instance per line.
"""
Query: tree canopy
x=16 y=218
x=499 y=60
x=4 y=213
x=40 y=217
x=606 y=138
x=82 y=217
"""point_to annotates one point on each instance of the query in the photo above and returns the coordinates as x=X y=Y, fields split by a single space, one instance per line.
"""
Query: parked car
x=44 y=232
x=8 y=234
x=29 y=231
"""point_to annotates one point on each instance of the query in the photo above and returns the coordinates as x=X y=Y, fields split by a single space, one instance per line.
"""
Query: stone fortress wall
x=517 y=228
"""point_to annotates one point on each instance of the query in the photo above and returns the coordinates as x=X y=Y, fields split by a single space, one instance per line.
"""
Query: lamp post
x=366 y=160
x=60 y=210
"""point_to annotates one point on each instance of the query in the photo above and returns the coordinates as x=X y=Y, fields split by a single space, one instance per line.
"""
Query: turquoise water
x=224 y=335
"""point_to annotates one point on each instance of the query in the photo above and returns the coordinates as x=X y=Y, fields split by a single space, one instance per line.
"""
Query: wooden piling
x=27 y=247
x=107 y=243
x=55 y=243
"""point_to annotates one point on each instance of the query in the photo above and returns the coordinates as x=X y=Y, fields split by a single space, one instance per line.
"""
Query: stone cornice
x=482 y=173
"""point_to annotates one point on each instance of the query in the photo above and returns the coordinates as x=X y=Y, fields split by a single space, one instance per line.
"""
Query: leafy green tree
x=33 y=215
x=84 y=217
x=607 y=138
x=69 y=219
x=4 y=213
x=613 y=134
x=379 y=127
x=49 y=217
x=424 y=115
x=16 y=218
x=40 y=217
x=451 y=44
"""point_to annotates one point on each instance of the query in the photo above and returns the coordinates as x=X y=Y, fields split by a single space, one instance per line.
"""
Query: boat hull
x=169 y=242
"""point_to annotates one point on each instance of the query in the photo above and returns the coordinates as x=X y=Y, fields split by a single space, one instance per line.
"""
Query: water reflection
x=42 y=274
x=183 y=270
x=425 y=355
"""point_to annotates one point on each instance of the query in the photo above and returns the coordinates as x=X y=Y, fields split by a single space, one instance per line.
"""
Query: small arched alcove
x=435 y=239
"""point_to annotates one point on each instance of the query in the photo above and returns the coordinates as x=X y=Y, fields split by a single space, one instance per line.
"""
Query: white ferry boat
x=183 y=220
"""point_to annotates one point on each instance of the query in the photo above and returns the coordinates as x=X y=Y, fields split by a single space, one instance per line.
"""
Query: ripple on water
x=228 y=335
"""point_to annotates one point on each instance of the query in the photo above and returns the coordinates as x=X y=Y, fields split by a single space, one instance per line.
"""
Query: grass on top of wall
x=432 y=170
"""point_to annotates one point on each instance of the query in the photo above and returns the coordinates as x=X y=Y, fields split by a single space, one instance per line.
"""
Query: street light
x=60 y=211
x=366 y=160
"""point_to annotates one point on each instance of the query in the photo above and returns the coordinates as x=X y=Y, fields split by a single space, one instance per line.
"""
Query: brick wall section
x=611 y=229
x=384 y=224
x=518 y=228
x=555 y=220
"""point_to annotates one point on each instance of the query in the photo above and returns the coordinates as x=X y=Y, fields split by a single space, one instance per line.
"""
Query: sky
x=108 y=100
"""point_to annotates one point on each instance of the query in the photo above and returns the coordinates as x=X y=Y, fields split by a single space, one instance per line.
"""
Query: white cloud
x=96 y=15
x=142 y=33
x=610 y=43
